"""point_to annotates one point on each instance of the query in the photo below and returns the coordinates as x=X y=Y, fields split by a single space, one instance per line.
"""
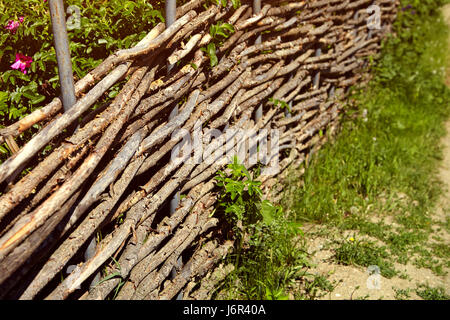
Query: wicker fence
x=115 y=174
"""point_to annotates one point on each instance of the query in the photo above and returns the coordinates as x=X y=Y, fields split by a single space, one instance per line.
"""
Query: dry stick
x=25 y=186
x=39 y=242
x=152 y=46
x=250 y=93
x=147 y=120
x=110 y=174
x=222 y=120
x=259 y=47
x=290 y=85
x=168 y=93
x=257 y=80
x=167 y=129
x=286 y=8
x=180 y=54
x=29 y=223
x=201 y=19
x=201 y=115
x=168 y=80
x=200 y=262
x=201 y=198
x=111 y=243
x=176 y=122
x=143 y=246
x=154 y=280
x=52 y=184
x=209 y=285
x=251 y=21
x=176 y=89
x=147 y=259
x=229 y=62
x=260 y=96
x=182 y=238
x=50 y=131
x=80 y=87
x=190 y=5
x=211 y=165
x=224 y=83
x=84 y=231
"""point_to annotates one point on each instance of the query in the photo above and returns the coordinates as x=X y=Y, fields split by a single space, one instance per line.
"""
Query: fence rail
x=117 y=172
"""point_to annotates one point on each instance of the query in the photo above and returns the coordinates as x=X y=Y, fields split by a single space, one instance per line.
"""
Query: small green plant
x=241 y=194
x=429 y=293
x=402 y=294
x=316 y=286
x=282 y=104
x=365 y=253
x=268 y=258
x=218 y=32
x=236 y=3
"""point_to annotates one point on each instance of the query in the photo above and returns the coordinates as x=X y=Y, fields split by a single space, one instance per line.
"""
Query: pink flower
x=21 y=19
x=12 y=26
x=22 y=62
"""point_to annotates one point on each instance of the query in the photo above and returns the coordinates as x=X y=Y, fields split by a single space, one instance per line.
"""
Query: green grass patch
x=365 y=253
x=429 y=293
x=384 y=160
x=382 y=163
x=402 y=294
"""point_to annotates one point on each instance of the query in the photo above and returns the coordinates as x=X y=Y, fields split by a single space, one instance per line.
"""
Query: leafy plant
x=218 y=32
x=429 y=293
x=241 y=196
x=365 y=253
x=95 y=30
x=236 y=3
x=282 y=104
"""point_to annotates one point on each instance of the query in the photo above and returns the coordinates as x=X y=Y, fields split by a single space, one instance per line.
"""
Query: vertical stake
x=317 y=76
x=171 y=9
x=61 y=41
x=256 y=10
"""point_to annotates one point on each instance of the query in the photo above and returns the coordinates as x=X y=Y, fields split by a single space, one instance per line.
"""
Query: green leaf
x=236 y=3
x=113 y=275
x=3 y=98
x=38 y=99
x=268 y=212
x=212 y=54
x=228 y=27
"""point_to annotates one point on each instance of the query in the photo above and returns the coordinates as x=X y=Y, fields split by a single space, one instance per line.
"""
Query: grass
x=402 y=294
x=365 y=253
x=384 y=160
x=429 y=293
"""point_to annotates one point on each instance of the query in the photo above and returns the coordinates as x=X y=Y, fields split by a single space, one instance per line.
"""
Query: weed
x=365 y=253
x=385 y=162
x=269 y=256
x=316 y=286
x=402 y=294
x=429 y=293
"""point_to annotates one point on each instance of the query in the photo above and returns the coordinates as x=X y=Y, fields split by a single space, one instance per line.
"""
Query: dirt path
x=352 y=282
